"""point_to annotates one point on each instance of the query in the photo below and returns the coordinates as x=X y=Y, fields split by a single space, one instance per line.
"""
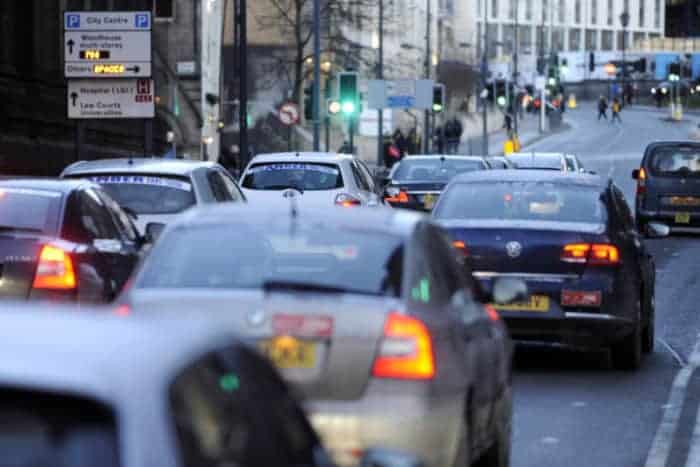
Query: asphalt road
x=571 y=409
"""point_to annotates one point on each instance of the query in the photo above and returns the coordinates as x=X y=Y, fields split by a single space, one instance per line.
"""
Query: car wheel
x=649 y=334
x=627 y=353
x=498 y=454
x=463 y=455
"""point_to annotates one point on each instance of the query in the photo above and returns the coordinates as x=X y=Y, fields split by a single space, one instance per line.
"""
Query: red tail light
x=122 y=310
x=593 y=254
x=642 y=182
x=55 y=270
x=347 y=201
x=406 y=351
x=400 y=197
x=461 y=247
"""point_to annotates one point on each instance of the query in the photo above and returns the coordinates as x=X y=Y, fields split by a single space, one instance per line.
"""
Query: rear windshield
x=676 y=160
x=241 y=256
x=302 y=176
x=146 y=194
x=527 y=201
x=45 y=430
x=528 y=161
x=28 y=210
x=433 y=170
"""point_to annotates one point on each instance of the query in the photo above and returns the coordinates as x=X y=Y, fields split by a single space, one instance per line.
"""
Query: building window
x=611 y=14
x=594 y=11
x=577 y=11
x=511 y=9
x=508 y=39
x=638 y=39
x=657 y=14
x=562 y=11
x=525 y=37
x=494 y=8
x=641 y=13
x=591 y=39
x=479 y=8
x=545 y=6
x=528 y=10
x=542 y=38
x=574 y=39
x=621 y=42
x=558 y=39
x=607 y=40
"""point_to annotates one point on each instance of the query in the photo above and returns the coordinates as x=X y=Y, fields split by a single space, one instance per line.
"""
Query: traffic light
x=591 y=62
x=438 y=98
x=348 y=93
x=333 y=107
x=308 y=103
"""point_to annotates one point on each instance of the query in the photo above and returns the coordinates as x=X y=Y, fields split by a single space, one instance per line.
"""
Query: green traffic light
x=437 y=108
x=348 y=107
x=501 y=101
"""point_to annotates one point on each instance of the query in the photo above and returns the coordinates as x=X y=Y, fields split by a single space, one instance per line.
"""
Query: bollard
x=572 y=101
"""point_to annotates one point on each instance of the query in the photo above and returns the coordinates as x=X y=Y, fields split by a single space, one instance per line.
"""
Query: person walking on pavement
x=602 y=108
x=392 y=154
x=400 y=142
x=616 y=108
x=454 y=132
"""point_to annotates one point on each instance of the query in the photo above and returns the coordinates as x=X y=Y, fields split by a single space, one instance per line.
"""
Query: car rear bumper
x=428 y=428
x=669 y=218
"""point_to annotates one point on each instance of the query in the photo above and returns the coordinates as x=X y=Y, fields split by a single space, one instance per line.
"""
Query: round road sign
x=289 y=114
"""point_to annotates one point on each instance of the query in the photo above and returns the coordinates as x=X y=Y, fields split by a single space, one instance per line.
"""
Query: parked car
x=572 y=239
x=156 y=190
x=370 y=316
x=64 y=240
x=88 y=390
x=668 y=187
x=314 y=178
x=416 y=182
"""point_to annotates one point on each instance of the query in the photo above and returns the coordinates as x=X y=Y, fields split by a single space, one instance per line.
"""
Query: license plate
x=537 y=303
x=683 y=218
x=429 y=201
x=684 y=201
x=289 y=352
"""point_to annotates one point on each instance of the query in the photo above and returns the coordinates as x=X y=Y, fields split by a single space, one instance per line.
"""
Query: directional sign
x=400 y=94
x=116 y=98
x=289 y=114
x=107 y=44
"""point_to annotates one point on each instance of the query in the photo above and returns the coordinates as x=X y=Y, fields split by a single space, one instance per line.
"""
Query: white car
x=156 y=190
x=314 y=178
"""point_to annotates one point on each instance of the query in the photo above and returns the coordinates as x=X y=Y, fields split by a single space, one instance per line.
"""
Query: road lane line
x=661 y=446
x=681 y=361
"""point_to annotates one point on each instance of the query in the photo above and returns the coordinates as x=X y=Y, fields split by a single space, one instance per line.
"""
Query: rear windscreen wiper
x=302 y=287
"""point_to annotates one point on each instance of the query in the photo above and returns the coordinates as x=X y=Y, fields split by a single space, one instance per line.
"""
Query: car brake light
x=593 y=254
x=55 y=270
x=406 y=350
x=642 y=182
x=581 y=298
x=461 y=247
x=347 y=201
x=122 y=310
x=400 y=197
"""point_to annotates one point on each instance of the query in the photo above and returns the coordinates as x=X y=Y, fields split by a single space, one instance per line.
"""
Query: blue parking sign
x=72 y=21
x=143 y=21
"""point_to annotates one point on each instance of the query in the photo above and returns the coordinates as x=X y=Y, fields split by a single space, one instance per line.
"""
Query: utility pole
x=380 y=76
x=426 y=115
x=625 y=20
x=316 y=97
x=515 y=108
x=242 y=41
x=484 y=83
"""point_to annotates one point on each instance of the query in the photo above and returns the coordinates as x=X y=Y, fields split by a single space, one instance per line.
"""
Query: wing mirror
x=656 y=230
x=376 y=457
x=508 y=290
x=153 y=231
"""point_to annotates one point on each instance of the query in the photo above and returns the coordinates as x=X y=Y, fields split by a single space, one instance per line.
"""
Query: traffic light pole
x=316 y=99
x=516 y=48
x=484 y=84
x=380 y=76
x=242 y=28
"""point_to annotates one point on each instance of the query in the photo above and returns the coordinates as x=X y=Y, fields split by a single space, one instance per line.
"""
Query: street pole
x=625 y=20
x=426 y=115
x=316 y=98
x=380 y=76
x=242 y=28
x=515 y=108
x=484 y=84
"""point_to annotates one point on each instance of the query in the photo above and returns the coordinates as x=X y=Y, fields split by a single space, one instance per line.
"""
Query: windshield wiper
x=9 y=228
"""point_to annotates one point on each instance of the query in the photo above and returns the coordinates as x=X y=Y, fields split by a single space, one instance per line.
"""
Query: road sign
x=115 y=98
x=107 y=21
x=289 y=114
x=107 y=44
x=400 y=94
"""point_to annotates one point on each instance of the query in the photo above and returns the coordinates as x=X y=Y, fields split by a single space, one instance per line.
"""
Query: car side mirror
x=635 y=174
x=377 y=457
x=508 y=290
x=656 y=230
x=153 y=231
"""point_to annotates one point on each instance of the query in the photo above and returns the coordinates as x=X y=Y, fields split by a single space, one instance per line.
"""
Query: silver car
x=156 y=190
x=317 y=178
x=541 y=161
x=371 y=316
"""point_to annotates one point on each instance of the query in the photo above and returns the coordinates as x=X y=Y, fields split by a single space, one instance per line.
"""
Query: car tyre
x=498 y=454
x=649 y=334
x=627 y=353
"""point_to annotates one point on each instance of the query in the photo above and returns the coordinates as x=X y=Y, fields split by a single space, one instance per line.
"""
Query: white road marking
x=549 y=440
x=579 y=404
x=679 y=359
x=661 y=446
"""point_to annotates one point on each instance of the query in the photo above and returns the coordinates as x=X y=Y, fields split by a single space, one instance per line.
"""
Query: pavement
x=571 y=409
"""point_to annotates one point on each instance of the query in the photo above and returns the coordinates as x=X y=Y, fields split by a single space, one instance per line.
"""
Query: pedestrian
x=616 y=108
x=391 y=152
x=413 y=147
x=438 y=140
x=507 y=122
x=455 y=140
x=602 y=108
x=400 y=142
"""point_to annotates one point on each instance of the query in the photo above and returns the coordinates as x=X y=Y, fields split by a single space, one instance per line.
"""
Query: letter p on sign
x=72 y=21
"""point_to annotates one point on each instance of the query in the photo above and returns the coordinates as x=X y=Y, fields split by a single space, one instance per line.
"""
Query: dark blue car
x=572 y=239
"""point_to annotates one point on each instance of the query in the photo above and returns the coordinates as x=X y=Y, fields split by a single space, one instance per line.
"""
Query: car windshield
x=244 y=256
x=300 y=175
x=536 y=161
x=47 y=430
x=148 y=194
x=527 y=201
x=434 y=170
x=28 y=209
x=676 y=160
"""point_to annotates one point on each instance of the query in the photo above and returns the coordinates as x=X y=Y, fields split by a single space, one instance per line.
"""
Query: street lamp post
x=380 y=76
x=316 y=91
x=426 y=116
x=625 y=21
x=484 y=84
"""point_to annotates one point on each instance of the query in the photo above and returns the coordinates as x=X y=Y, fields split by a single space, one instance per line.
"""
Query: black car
x=572 y=238
x=668 y=187
x=417 y=181
x=63 y=241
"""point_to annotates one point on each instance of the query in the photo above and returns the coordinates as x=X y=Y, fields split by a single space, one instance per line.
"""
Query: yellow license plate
x=683 y=218
x=289 y=352
x=429 y=201
x=685 y=201
x=537 y=303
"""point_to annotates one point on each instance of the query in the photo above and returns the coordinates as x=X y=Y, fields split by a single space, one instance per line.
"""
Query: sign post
x=108 y=64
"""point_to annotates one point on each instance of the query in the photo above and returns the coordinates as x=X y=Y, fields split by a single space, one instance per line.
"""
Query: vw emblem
x=514 y=249
x=256 y=317
x=290 y=193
